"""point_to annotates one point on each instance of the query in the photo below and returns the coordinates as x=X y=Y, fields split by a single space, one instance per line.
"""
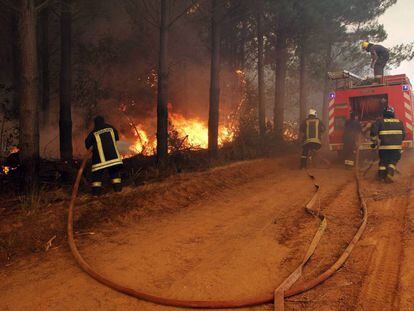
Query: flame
x=5 y=169
x=142 y=145
x=192 y=132
x=290 y=132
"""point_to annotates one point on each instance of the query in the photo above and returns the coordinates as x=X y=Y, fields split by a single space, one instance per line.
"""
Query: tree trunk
x=162 y=105
x=260 y=71
x=28 y=107
x=43 y=44
x=213 y=121
x=65 y=115
x=326 y=86
x=302 y=79
x=243 y=39
x=17 y=58
x=280 y=83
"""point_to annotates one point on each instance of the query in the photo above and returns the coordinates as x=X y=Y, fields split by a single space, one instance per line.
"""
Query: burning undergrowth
x=184 y=133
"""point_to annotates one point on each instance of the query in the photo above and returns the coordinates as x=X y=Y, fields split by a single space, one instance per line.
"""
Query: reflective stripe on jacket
x=312 y=129
x=390 y=132
x=105 y=150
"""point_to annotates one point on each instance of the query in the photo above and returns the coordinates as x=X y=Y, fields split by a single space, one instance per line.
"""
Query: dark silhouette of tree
x=65 y=112
x=26 y=12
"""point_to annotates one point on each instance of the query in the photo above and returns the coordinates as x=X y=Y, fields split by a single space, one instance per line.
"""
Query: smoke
x=115 y=75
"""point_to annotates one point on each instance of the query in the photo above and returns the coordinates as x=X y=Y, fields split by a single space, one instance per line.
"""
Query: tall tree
x=281 y=49
x=260 y=69
x=162 y=102
x=213 y=120
x=163 y=17
x=302 y=79
x=28 y=112
x=15 y=33
x=65 y=113
x=44 y=55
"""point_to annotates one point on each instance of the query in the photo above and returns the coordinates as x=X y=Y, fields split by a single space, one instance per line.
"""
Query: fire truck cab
x=367 y=100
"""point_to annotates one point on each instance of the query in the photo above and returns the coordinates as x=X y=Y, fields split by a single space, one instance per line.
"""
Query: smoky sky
x=399 y=24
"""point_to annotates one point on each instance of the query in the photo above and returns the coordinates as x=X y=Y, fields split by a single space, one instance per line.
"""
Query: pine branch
x=43 y=5
x=194 y=3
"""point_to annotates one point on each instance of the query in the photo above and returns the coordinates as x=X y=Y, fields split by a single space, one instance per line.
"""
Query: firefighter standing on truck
x=388 y=134
x=105 y=155
x=379 y=58
x=352 y=132
x=311 y=132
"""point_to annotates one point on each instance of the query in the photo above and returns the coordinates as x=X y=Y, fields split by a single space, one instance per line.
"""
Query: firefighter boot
x=96 y=188
x=390 y=173
x=117 y=184
x=382 y=172
x=349 y=164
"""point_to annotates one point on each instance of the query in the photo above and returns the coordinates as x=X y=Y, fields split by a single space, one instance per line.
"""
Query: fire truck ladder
x=344 y=74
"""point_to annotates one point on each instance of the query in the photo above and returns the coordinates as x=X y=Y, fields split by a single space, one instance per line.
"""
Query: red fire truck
x=367 y=99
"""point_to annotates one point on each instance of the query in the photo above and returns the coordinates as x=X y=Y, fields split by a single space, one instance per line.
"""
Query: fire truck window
x=339 y=123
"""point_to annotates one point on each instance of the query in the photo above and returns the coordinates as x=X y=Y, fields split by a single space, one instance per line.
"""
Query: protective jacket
x=105 y=151
x=390 y=132
x=312 y=129
x=382 y=52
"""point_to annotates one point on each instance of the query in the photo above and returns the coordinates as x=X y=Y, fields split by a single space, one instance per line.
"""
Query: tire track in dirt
x=373 y=279
x=406 y=292
x=380 y=288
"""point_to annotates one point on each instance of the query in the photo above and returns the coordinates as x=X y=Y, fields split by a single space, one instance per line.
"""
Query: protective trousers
x=388 y=162
x=306 y=151
x=379 y=68
x=115 y=175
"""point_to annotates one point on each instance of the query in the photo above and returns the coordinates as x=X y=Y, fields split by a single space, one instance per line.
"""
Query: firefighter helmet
x=312 y=112
x=364 y=45
x=389 y=112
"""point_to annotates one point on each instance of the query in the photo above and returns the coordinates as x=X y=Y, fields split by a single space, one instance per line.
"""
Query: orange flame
x=192 y=131
x=5 y=170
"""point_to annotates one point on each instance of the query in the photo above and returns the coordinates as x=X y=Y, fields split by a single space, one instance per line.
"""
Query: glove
x=373 y=145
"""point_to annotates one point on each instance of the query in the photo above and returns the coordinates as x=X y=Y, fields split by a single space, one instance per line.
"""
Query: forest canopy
x=160 y=69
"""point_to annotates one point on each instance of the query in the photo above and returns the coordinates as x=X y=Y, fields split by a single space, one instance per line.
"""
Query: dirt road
x=239 y=240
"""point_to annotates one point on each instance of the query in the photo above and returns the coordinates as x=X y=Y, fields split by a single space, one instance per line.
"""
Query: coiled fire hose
x=288 y=287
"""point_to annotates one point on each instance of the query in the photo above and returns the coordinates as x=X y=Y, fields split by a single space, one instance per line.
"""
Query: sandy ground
x=240 y=241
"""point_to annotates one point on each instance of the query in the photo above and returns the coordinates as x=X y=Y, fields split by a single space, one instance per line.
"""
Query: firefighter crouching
x=105 y=156
x=311 y=131
x=388 y=134
x=352 y=132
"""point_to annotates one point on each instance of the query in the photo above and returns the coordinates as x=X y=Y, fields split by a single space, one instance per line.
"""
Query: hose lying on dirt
x=283 y=290
x=307 y=285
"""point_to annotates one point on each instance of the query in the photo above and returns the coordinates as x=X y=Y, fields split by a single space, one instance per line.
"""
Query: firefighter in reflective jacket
x=311 y=131
x=105 y=155
x=388 y=134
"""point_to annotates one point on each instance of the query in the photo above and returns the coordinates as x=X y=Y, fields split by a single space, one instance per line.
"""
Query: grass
x=30 y=203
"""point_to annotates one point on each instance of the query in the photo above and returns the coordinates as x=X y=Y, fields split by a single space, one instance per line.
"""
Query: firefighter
x=105 y=155
x=311 y=132
x=388 y=134
x=352 y=132
x=379 y=58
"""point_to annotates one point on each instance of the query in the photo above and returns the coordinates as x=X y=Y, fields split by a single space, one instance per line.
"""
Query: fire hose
x=288 y=288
